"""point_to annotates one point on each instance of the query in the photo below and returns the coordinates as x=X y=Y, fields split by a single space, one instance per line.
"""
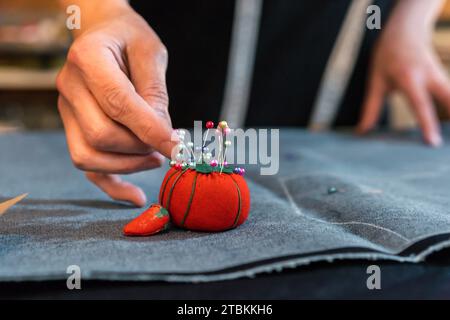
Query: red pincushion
x=199 y=201
x=198 y=195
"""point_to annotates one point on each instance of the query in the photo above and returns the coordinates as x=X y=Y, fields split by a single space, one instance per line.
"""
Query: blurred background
x=33 y=42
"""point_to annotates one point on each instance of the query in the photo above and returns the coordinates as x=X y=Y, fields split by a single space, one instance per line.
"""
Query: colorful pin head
x=189 y=155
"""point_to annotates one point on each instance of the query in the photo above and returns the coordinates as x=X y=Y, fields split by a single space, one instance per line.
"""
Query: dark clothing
x=294 y=44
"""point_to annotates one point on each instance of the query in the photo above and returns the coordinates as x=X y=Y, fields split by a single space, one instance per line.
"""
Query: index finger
x=119 y=100
x=423 y=106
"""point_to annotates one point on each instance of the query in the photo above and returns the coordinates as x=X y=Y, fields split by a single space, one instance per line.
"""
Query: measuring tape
x=340 y=66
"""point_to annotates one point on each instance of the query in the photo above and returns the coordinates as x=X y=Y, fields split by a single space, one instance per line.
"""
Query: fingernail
x=159 y=156
x=167 y=147
x=140 y=199
x=361 y=130
x=435 y=140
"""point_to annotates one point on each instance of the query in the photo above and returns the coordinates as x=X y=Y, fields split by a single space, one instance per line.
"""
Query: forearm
x=96 y=11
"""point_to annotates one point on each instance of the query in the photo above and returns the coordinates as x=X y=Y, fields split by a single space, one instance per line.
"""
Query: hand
x=404 y=60
x=113 y=100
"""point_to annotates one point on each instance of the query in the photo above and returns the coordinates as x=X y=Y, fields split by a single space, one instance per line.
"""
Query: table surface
x=338 y=280
x=341 y=279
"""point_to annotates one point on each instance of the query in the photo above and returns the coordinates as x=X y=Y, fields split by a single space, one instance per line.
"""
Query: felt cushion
x=205 y=201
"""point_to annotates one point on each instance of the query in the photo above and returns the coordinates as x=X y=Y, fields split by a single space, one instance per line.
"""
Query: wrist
x=96 y=12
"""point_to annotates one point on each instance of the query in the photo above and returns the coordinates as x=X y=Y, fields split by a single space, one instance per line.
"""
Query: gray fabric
x=392 y=203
